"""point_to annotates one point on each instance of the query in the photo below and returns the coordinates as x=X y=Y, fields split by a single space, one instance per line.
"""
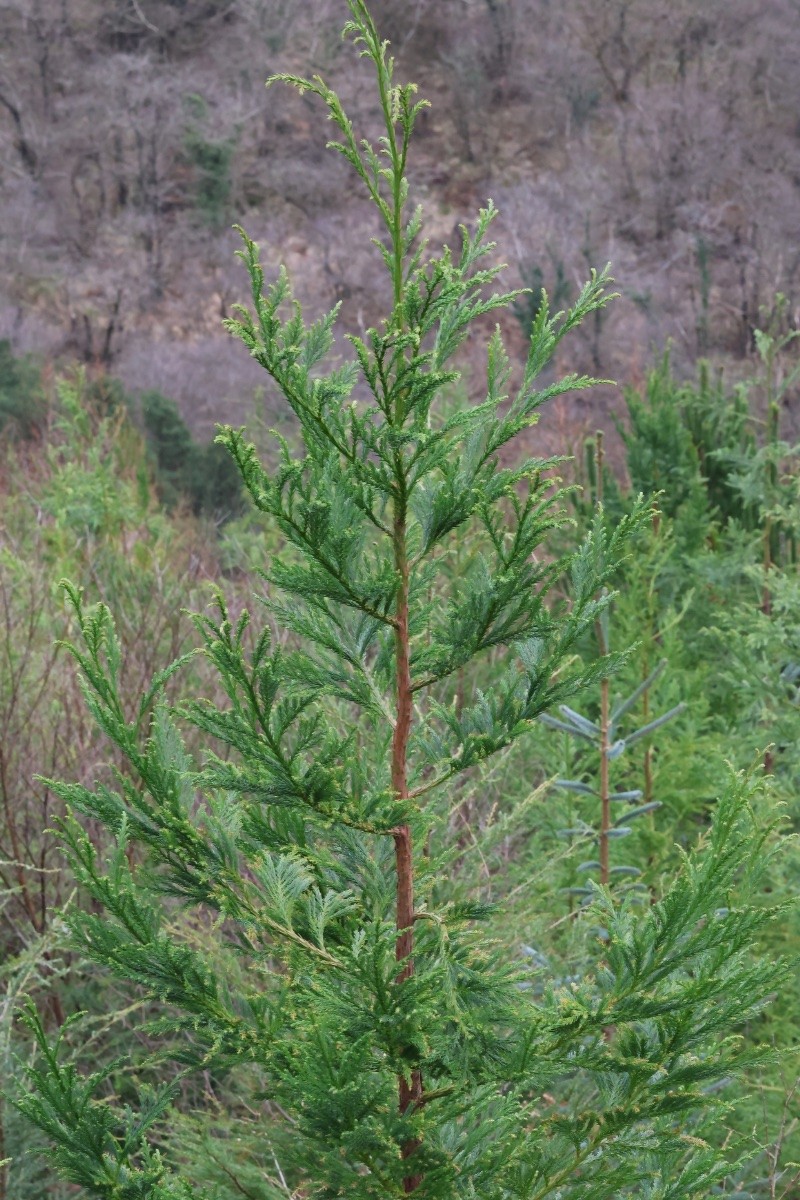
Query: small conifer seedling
x=286 y=915
x=603 y=736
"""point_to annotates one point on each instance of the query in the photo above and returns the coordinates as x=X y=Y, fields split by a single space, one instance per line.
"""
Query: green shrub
x=210 y=160
x=22 y=401
x=202 y=476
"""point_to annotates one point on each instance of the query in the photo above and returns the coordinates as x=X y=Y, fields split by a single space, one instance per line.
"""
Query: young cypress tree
x=288 y=909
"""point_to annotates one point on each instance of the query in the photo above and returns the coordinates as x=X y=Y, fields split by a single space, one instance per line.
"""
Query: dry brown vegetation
x=134 y=132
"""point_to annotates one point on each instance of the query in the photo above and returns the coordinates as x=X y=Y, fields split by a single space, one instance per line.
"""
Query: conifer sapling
x=291 y=923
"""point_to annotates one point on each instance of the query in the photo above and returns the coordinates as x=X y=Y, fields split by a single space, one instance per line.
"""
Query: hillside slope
x=133 y=133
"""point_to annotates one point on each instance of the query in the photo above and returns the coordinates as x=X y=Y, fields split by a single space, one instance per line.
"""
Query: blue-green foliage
x=627 y=805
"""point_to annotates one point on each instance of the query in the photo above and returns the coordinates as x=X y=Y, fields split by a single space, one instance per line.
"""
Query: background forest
x=662 y=137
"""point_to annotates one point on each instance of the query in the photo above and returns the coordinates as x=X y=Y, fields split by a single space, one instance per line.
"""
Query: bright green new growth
x=285 y=906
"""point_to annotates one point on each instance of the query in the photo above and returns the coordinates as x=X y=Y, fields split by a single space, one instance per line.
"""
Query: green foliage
x=663 y=456
x=672 y=983
x=22 y=405
x=33 y=970
x=210 y=159
x=695 y=445
x=203 y=475
x=630 y=804
x=78 y=500
x=215 y=484
x=91 y=493
x=712 y=587
x=286 y=904
x=170 y=440
x=526 y=306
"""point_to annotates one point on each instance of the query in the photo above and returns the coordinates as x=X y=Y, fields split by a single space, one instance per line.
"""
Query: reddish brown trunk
x=405 y=901
x=409 y=1090
x=405 y=697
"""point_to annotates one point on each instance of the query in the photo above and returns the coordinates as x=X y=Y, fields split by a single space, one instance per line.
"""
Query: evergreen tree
x=22 y=403
x=205 y=476
x=284 y=908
